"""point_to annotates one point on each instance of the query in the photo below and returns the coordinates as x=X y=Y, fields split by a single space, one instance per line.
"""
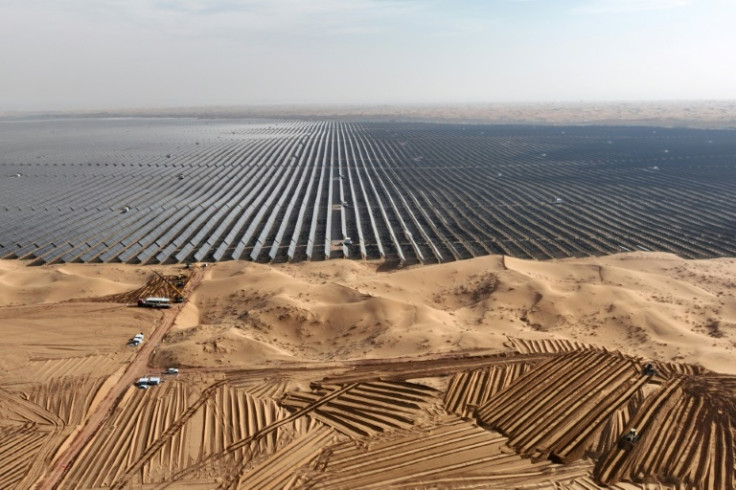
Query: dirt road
x=136 y=369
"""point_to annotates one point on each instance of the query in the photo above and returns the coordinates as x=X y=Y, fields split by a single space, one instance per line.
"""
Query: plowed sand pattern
x=587 y=483
x=455 y=401
x=104 y=364
x=449 y=454
x=21 y=448
x=368 y=408
x=557 y=413
x=557 y=407
x=232 y=415
x=277 y=471
x=687 y=432
x=545 y=346
x=470 y=389
x=16 y=409
x=268 y=389
x=224 y=428
x=29 y=435
x=428 y=367
x=137 y=421
x=69 y=398
x=155 y=434
x=158 y=285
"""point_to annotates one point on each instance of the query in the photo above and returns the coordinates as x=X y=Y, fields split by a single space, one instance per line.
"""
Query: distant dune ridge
x=695 y=113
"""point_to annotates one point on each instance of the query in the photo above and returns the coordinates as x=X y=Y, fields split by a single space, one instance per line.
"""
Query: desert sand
x=694 y=114
x=329 y=374
x=652 y=305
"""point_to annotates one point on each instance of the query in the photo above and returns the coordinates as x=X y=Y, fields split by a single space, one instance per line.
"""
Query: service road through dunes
x=96 y=418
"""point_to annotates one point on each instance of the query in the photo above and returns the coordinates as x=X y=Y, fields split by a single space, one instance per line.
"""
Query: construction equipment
x=649 y=369
x=154 y=302
x=179 y=297
x=629 y=439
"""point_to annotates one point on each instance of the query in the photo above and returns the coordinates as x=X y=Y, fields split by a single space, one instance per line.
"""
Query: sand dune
x=21 y=285
x=394 y=353
x=652 y=305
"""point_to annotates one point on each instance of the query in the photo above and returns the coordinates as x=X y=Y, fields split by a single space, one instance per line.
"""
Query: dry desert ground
x=486 y=373
x=693 y=114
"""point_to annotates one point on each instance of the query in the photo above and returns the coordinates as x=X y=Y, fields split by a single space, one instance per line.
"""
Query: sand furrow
x=277 y=470
x=684 y=438
x=546 y=346
x=424 y=458
x=471 y=389
x=562 y=408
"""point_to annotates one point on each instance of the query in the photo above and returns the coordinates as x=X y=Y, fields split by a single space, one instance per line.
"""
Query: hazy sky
x=93 y=54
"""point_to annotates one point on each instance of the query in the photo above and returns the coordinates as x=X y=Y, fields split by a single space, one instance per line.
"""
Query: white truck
x=154 y=302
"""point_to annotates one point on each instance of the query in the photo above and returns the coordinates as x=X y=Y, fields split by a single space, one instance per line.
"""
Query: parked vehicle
x=154 y=302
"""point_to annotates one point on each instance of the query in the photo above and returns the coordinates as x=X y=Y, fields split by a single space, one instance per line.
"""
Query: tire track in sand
x=446 y=454
x=166 y=435
x=247 y=441
x=558 y=407
x=686 y=435
x=19 y=450
x=137 y=368
x=470 y=389
x=369 y=408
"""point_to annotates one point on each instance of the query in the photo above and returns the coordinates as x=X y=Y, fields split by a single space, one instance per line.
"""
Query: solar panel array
x=177 y=190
